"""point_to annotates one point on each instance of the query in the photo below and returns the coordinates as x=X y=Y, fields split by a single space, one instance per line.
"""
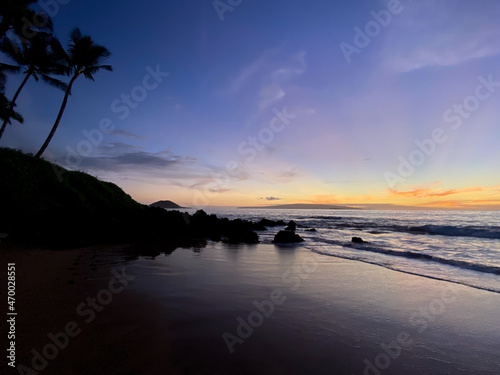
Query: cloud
x=270 y=198
x=132 y=162
x=269 y=95
x=248 y=72
x=277 y=81
x=124 y=133
x=295 y=66
x=136 y=161
x=288 y=175
x=453 y=32
x=218 y=190
x=426 y=192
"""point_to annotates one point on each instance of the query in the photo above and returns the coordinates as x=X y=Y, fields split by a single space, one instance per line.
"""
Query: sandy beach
x=245 y=309
x=52 y=288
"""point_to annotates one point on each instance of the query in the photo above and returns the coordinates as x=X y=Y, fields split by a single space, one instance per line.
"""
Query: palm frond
x=54 y=82
x=7 y=113
x=12 y=50
x=7 y=68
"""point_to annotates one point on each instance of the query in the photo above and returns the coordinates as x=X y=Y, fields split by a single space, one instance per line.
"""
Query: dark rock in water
x=292 y=226
x=242 y=236
x=357 y=240
x=271 y=223
x=285 y=236
x=311 y=230
x=257 y=226
x=231 y=231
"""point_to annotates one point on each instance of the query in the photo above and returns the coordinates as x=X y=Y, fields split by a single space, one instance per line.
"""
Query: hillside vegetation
x=42 y=204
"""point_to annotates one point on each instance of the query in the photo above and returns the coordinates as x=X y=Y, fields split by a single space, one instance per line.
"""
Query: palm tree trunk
x=59 y=116
x=13 y=102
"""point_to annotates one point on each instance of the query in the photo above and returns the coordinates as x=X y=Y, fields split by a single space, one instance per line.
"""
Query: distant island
x=165 y=204
x=305 y=206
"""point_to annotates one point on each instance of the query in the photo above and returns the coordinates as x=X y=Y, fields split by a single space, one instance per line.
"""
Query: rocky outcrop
x=292 y=226
x=271 y=223
x=286 y=236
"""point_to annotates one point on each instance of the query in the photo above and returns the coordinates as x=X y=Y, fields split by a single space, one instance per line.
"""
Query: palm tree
x=40 y=58
x=84 y=58
x=6 y=110
x=18 y=16
x=6 y=68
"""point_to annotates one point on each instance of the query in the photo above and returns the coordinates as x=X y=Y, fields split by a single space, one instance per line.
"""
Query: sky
x=237 y=103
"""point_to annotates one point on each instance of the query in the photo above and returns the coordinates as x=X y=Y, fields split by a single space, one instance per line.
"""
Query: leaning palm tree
x=84 y=58
x=40 y=58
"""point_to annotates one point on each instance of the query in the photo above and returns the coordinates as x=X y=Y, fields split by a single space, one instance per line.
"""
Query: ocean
x=462 y=247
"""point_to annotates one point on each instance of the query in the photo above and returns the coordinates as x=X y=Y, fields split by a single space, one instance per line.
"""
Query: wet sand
x=52 y=285
x=250 y=310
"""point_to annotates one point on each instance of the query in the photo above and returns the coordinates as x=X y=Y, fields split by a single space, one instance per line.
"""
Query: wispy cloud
x=427 y=192
x=269 y=95
x=270 y=198
x=126 y=161
x=453 y=32
x=246 y=74
x=288 y=175
x=277 y=81
x=127 y=134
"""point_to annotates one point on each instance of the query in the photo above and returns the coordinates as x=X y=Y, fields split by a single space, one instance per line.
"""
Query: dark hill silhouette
x=44 y=205
x=165 y=204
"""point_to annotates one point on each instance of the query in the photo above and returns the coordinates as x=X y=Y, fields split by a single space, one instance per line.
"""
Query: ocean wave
x=489 y=232
x=397 y=269
x=371 y=247
x=427 y=257
x=467 y=231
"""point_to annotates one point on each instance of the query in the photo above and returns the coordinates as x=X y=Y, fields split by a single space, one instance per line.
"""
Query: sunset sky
x=278 y=102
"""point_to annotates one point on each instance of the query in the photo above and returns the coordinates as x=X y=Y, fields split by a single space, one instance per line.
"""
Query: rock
x=311 y=230
x=242 y=236
x=285 y=236
x=292 y=226
x=357 y=240
x=258 y=226
x=271 y=223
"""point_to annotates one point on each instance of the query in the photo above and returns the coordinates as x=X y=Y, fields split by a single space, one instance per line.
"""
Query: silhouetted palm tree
x=6 y=68
x=5 y=109
x=84 y=58
x=18 y=16
x=42 y=56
